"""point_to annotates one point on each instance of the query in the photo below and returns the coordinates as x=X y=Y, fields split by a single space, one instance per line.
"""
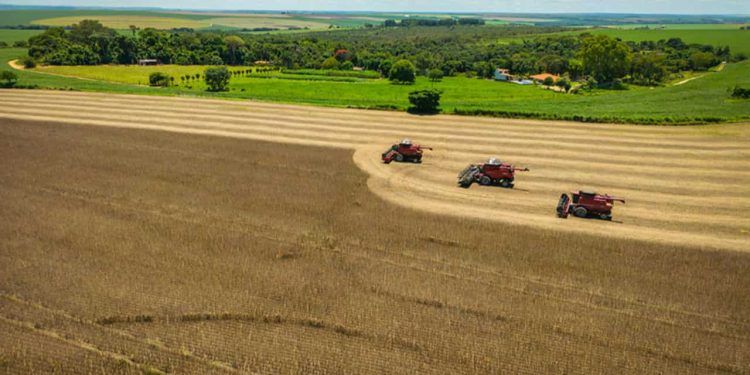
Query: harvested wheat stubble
x=685 y=186
x=188 y=253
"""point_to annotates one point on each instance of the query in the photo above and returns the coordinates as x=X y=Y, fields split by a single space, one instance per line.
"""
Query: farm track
x=672 y=177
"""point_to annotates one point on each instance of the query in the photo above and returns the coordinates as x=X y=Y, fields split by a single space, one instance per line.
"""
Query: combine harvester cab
x=404 y=151
x=493 y=172
x=585 y=203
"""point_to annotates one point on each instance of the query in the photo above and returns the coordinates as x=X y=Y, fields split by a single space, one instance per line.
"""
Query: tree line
x=458 y=49
x=410 y=22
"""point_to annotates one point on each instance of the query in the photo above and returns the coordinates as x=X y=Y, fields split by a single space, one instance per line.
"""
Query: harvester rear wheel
x=505 y=183
x=485 y=180
x=399 y=158
x=580 y=211
x=605 y=216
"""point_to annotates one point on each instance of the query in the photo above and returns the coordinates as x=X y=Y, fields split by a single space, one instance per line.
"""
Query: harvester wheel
x=580 y=211
x=605 y=216
x=417 y=160
x=485 y=180
x=505 y=183
x=399 y=158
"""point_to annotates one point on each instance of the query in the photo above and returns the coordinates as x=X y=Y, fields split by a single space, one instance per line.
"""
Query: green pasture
x=681 y=26
x=9 y=36
x=737 y=40
x=139 y=75
x=124 y=21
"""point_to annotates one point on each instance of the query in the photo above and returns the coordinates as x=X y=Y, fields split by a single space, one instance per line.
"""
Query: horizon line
x=115 y=8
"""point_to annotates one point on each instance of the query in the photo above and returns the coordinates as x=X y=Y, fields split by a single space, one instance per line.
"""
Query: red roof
x=543 y=76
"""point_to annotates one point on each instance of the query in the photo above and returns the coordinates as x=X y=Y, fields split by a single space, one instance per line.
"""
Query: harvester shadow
x=506 y=188
x=593 y=218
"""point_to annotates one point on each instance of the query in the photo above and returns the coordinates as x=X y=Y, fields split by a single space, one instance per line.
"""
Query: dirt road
x=684 y=185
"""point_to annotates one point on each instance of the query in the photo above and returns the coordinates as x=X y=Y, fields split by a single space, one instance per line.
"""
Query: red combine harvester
x=493 y=172
x=404 y=151
x=586 y=204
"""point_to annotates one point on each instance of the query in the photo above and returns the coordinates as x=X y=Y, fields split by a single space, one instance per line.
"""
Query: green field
x=10 y=36
x=172 y=21
x=705 y=99
x=682 y=26
x=124 y=21
x=737 y=40
x=27 y=16
x=120 y=19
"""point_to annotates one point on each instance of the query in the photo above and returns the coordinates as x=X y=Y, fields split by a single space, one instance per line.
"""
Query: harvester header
x=404 y=151
x=587 y=203
x=492 y=172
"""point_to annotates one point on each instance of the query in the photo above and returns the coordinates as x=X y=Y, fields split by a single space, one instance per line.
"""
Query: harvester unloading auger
x=493 y=172
x=404 y=151
x=586 y=204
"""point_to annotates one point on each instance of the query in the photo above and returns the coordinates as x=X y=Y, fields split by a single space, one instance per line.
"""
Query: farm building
x=503 y=75
x=144 y=62
x=543 y=76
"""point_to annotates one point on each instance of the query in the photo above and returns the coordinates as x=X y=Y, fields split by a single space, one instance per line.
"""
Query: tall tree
x=605 y=58
x=648 y=68
x=234 y=44
x=403 y=71
x=217 y=78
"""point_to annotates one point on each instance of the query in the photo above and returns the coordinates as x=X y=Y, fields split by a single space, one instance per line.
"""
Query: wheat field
x=684 y=185
x=127 y=250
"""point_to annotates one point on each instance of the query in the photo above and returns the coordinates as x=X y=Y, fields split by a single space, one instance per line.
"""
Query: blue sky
x=736 y=7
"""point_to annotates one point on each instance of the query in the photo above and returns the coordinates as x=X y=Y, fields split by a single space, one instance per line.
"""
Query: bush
x=74 y=54
x=617 y=84
x=182 y=59
x=330 y=64
x=158 y=79
x=3 y=44
x=591 y=83
x=403 y=72
x=346 y=65
x=215 y=60
x=702 y=60
x=8 y=79
x=435 y=75
x=20 y=44
x=424 y=101
x=368 y=74
x=385 y=67
x=549 y=81
x=28 y=62
x=740 y=92
x=217 y=78
x=564 y=84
